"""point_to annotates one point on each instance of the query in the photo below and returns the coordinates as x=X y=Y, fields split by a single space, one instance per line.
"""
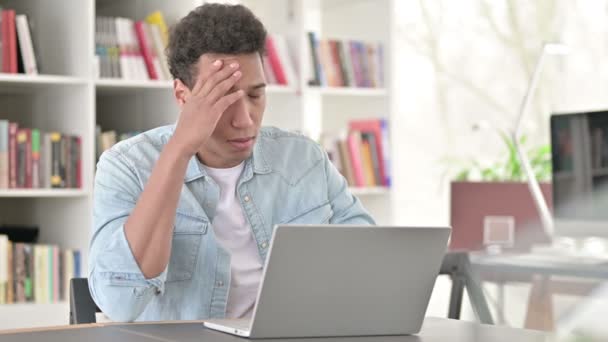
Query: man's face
x=237 y=129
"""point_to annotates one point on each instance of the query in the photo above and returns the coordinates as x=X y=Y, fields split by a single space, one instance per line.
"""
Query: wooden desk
x=434 y=330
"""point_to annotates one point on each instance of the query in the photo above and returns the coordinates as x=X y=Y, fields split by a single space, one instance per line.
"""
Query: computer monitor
x=579 y=144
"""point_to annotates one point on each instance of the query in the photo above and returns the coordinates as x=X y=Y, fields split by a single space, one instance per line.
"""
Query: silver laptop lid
x=338 y=280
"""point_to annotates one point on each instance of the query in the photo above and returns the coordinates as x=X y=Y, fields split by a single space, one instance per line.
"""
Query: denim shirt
x=287 y=180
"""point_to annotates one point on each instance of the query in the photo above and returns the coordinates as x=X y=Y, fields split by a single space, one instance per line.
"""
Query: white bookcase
x=67 y=97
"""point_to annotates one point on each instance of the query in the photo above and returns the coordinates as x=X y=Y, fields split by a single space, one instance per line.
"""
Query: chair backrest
x=82 y=306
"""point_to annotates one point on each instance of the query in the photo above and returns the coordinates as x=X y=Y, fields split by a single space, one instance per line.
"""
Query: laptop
x=343 y=280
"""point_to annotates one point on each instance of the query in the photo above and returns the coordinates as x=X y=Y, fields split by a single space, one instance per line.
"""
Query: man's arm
x=346 y=207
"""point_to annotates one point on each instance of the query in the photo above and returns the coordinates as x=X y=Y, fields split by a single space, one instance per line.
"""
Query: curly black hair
x=212 y=28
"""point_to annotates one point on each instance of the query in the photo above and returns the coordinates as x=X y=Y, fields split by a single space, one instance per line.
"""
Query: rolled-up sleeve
x=347 y=209
x=116 y=282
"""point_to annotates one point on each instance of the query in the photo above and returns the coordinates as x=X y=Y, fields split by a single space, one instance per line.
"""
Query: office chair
x=82 y=306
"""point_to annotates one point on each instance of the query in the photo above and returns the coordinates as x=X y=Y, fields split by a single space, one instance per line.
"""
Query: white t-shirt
x=234 y=234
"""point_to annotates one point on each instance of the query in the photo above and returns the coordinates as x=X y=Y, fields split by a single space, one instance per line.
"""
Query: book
x=159 y=47
x=379 y=129
x=19 y=272
x=282 y=49
x=147 y=52
x=35 y=174
x=3 y=268
x=25 y=44
x=12 y=153
x=4 y=155
x=275 y=61
x=156 y=18
x=354 y=150
x=28 y=260
x=366 y=162
x=347 y=166
x=12 y=42
x=315 y=65
x=10 y=273
x=56 y=172
x=373 y=150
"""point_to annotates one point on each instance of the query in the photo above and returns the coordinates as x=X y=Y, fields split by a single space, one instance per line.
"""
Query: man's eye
x=254 y=96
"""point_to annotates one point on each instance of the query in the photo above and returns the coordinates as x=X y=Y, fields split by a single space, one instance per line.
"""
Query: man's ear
x=180 y=92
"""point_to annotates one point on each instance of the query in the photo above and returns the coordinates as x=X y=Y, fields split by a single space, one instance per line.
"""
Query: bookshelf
x=68 y=97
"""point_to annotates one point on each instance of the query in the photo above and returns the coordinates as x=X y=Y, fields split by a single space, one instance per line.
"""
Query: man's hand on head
x=205 y=103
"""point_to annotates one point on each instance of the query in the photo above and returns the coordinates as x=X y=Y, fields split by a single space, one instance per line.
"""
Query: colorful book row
x=346 y=63
x=35 y=272
x=362 y=155
x=132 y=50
x=31 y=159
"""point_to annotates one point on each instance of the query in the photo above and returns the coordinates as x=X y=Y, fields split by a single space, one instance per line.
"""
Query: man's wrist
x=178 y=150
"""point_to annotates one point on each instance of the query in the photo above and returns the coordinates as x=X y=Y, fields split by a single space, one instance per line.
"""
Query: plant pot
x=484 y=214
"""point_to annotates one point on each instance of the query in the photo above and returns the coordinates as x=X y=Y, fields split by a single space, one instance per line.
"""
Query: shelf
x=42 y=193
x=110 y=85
x=350 y=91
x=375 y=190
x=26 y=82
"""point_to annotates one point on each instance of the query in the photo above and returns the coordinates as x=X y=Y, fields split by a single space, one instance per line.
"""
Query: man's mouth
x=242 y=143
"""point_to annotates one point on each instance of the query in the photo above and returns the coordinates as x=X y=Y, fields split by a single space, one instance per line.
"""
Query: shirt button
x=246 y=198
x=264 y=244
x=220 y=283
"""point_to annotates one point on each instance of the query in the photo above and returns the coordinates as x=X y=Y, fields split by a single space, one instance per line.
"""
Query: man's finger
x=222 y=104
x=213 y=80
x=206 y=69
x=223 y=87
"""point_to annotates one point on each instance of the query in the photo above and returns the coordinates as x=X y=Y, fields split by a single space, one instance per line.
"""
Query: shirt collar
x=195 y=169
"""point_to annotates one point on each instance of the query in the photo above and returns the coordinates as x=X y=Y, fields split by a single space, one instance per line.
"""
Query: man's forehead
x=209 y=58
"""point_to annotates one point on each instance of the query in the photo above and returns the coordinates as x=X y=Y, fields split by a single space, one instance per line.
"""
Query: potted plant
x=492 y=206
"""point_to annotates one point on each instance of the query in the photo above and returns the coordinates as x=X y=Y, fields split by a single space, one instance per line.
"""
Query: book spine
x=385 y=162
x=10 y=291
x=5 y=45
x=28 y=261
x=56 y=279
x=21 y=157
x=314 y=61
x=336 y=64
x=67 y=160
x=49 y=288
x=3 y=267
x=47 y=157
x=12 y=42
x=371 y=139
x=56 y=179
x=144 y=46
x=25 y=43
x=354 y=150
x=77 y=153
x=19 y=267
x=35 y=159
x=12 y=150
x=275 y=61
x=28 y=159
x=4 y=158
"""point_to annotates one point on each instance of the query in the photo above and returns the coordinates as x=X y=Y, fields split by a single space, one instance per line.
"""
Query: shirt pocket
x=187 y=236
x=317 y=215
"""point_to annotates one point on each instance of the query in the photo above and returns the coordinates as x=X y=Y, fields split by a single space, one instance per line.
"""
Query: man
x=183 y=214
